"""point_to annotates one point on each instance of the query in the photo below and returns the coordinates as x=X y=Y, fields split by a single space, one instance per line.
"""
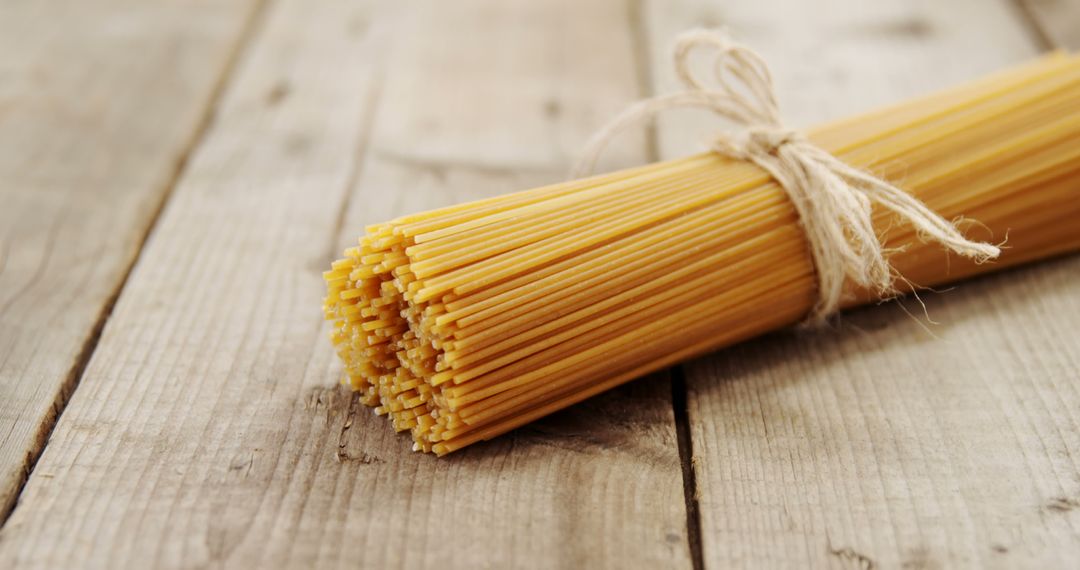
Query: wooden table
x=175 y=175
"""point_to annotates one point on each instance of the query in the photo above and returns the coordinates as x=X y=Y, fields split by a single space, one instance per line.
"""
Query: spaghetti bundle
x=465 y=322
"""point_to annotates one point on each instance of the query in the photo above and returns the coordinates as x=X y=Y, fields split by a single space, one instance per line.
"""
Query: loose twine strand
x=833 y=200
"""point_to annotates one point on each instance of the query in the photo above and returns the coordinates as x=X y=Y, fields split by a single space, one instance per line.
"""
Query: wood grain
x=99 y=103
x=209 y=430
x=888 y=442
x=164 y=453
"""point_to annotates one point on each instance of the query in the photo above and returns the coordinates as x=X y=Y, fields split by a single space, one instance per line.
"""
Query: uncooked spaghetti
x=463 y=323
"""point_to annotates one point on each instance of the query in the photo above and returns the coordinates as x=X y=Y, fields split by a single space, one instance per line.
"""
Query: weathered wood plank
x=214 y=330
x=99 y=103
x=880 y=444
x=208 y=428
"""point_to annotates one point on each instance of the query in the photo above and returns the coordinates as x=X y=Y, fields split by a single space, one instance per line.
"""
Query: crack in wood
x=851 y=555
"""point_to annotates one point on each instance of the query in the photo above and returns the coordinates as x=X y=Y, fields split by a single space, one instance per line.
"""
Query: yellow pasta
x=462 y=323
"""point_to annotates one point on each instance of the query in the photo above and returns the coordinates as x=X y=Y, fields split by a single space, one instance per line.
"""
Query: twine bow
x=833 y=200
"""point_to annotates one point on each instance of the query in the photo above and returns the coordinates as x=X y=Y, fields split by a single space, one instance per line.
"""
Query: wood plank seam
x=353 y=178
x=646 y=86
x=683 y=437
x=686 y=460
x=646 y=78
x=1055 y=20
x=1040 y=36
x=635 y=11
x=71 y=380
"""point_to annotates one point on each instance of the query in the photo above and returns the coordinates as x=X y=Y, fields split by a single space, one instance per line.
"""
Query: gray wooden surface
x=100 y=104
x=175 y=175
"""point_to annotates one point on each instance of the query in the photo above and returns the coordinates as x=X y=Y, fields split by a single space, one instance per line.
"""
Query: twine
x=834 y=201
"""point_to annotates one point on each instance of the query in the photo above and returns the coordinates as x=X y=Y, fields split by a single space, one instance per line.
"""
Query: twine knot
x=834 y=201
x=758 y=141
